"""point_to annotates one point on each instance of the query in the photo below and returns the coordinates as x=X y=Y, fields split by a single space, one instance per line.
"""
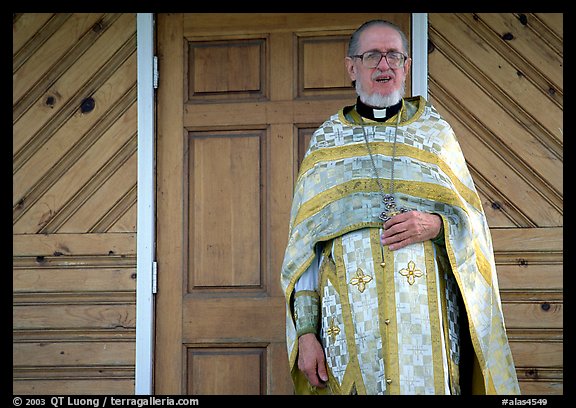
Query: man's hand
x=311 y=360
x=410 y=227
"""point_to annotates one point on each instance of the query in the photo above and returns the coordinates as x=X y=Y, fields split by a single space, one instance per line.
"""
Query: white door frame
x=146 y=222
x=420 y=54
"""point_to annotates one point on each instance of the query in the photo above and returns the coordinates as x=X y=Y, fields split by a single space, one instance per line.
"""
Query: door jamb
x=420 y=54
x=146 y=220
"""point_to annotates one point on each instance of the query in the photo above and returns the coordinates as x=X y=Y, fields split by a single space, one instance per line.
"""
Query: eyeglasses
x=371 y=59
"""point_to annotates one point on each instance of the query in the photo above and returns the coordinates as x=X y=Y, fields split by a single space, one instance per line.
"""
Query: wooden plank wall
x=74 y=203
x=498 y=79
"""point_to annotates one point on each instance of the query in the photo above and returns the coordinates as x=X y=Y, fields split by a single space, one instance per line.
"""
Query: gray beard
x=380 y=101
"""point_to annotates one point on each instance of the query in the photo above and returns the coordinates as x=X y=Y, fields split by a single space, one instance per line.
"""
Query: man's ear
x=350 y=68
x=407 y=65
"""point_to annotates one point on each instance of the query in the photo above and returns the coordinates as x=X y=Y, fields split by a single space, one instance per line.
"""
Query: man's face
x=380 y=86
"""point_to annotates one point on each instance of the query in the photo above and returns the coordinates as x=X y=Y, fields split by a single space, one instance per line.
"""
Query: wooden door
x=239 y=96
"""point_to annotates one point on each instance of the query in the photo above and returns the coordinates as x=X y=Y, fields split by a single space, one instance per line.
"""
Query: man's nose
x=383 y=65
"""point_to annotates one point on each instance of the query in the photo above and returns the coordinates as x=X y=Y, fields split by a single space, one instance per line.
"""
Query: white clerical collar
x=379 y=113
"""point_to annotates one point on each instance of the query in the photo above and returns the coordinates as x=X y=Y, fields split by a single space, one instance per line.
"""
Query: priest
x=389 y=272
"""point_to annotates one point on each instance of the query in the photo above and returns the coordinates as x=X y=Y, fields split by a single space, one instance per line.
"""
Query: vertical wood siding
x=498 y=79
x=74 y=203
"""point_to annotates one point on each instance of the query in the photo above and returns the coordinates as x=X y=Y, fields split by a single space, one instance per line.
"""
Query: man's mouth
x=383 y=78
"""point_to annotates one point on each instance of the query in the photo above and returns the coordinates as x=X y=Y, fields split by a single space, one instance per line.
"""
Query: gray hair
x=354 y=44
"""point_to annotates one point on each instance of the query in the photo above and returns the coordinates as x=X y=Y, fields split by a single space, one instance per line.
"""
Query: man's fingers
x=311 y=360
x=410 y=227
x=322 y=372
x=397 y=219
x=316 y=376
x=321 y=367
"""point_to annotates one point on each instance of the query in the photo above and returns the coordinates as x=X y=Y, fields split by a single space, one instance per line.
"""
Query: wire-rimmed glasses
x=371 y=59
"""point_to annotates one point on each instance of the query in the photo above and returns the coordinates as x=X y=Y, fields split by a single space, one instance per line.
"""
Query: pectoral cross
x=390 y=208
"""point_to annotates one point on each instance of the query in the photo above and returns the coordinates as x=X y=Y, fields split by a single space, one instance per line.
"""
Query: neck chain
x=387 y=198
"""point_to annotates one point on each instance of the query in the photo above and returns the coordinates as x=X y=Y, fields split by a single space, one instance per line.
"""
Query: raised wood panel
x=320 y=64
x=215 y=371
x=210 y=75
x=232 y=296
x=304 y=136
x=227 y=192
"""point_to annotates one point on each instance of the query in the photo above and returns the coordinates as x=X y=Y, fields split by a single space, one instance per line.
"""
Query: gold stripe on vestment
x=414 y=188
x=435 y=324
x=453 y=371
x=483 y=264
x=468 y=308
x=383 y=311
x=391 y=338
x=386 y=148
x=353 y=375
x=328 y=274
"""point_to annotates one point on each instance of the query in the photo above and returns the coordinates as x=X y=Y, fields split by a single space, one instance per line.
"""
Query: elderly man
x=389 y=271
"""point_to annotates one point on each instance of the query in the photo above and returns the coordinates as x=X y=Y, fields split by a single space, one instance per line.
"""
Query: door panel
x=225 y=212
